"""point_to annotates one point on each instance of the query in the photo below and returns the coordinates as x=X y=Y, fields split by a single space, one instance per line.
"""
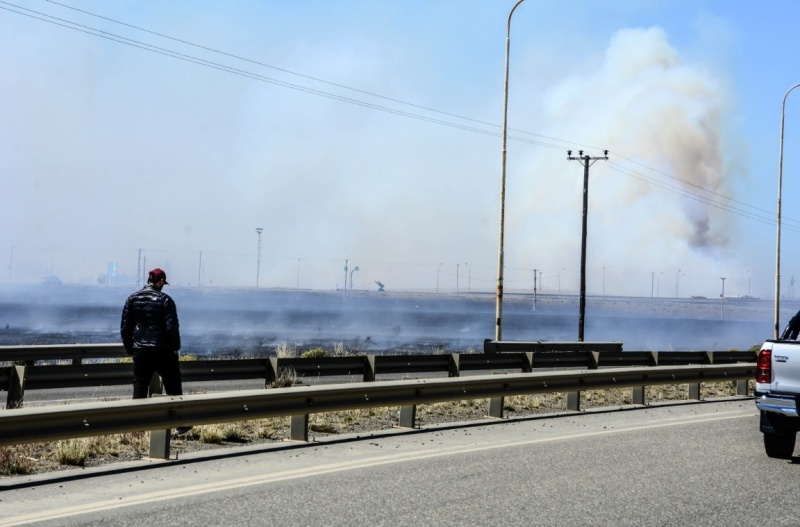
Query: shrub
x=73 y=451
x=286 y=377
x=271 y=428
x=15 y=460
x=212 y=434
x=236 y=431
x=314 y=353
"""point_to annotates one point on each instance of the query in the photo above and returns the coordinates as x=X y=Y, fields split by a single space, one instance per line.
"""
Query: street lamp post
x=778 y=235
x=346 y=266
x=722 y=299
x=351 y=277
x=676 y=282
x=498 y=329
x=259 y=230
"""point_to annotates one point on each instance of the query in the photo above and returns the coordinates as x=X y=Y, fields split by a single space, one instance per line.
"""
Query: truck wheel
x=780 y=446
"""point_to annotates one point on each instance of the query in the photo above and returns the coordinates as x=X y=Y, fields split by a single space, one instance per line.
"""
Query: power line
x=697 y=197
x=254 y=76
x=284 y=70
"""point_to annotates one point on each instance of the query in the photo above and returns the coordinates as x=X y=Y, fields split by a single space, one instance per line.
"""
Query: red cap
x=156 y=275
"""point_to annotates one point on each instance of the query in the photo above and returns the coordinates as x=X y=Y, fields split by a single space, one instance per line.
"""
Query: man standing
x=150 y=333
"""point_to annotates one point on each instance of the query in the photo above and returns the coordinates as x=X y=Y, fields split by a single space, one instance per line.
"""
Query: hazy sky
x=370 y=131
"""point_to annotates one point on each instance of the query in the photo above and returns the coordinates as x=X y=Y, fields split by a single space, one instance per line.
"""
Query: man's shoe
x=182 y=430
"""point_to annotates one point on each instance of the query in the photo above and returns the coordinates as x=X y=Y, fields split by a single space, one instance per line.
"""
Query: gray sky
x=370 y=132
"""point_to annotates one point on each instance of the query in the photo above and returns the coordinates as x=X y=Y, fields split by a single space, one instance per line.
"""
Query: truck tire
x=780 y=446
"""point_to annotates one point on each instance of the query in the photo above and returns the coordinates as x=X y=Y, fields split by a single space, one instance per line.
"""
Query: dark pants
x=147 y=361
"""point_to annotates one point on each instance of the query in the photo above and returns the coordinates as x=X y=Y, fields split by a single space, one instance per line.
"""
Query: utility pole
x=346 y=265
x=587 y=161
x=534 y=289
x=139 y=270
x=259 y=230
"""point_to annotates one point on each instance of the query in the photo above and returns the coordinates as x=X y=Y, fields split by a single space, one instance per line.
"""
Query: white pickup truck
x=777 y=393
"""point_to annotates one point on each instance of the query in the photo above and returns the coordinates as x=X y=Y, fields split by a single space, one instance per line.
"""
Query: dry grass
x=284 y=350
x=52 y=456
x=73 y=451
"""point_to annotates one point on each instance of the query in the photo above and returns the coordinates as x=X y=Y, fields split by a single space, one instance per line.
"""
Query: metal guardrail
x=73 y=352
x=16 y=379
x=159 y=414
x=497 y=346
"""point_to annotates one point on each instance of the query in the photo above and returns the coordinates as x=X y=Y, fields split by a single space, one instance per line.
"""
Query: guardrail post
x=527 y=362
x=369 y=368
x=453 y=370
x=159 y=439
x=741 y=387
x=594 y=357
x=574 y=398
x=574 y=401
x=638 y=395
x=408 y=416
x=272 y=371
x=496 y=405
x=694 y=391
x=298 y=428
x=16 y=386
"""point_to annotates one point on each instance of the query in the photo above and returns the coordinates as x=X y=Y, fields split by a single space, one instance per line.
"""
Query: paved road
x=683 y=464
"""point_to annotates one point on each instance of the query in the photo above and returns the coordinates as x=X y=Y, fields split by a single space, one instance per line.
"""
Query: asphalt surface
x=678 y=464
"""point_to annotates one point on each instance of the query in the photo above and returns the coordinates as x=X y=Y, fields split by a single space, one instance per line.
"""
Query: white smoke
x=659 y=116
x=111 y=149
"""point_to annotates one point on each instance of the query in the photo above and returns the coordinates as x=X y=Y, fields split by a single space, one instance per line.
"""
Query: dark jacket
x=150 y=320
